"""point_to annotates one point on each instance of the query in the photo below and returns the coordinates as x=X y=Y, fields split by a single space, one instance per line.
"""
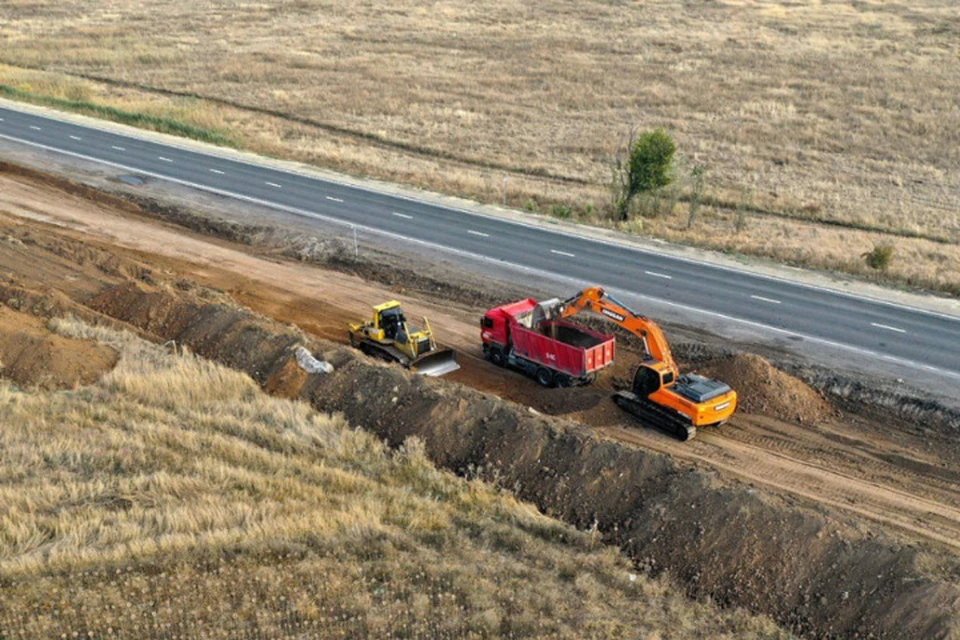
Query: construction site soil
x=833 y=508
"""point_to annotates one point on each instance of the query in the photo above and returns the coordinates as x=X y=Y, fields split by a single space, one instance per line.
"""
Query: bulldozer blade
x=436 y=363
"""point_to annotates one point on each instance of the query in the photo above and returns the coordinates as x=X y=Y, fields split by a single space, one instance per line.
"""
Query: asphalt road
x=906 y=337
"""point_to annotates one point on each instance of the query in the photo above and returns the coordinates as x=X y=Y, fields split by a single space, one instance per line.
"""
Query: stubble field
x=826 y=128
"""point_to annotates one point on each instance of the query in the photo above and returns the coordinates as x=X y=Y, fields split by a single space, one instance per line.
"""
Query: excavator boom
x=598 y=301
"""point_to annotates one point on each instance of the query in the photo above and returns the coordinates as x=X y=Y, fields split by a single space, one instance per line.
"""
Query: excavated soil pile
x=764 y=389
x=33 y=356
x=813 y=571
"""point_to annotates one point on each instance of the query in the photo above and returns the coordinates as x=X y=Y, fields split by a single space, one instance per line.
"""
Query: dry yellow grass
x=840 y=111
x=174 y=499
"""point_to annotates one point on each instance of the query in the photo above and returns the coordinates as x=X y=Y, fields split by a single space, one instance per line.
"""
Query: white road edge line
x=274 y=184
x=478 y=233
x=216 y=171
x=76 y=138
x=888 y=327
x=334 y=199
x=117 y=148
x=658 y=275
x=762 y=299
x=165 y=159
x=563 y=253
x=476 y=256
x=402 y=215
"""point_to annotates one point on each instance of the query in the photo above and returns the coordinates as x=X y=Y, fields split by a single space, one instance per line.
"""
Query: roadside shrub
x=561 y=211
x=880 y=257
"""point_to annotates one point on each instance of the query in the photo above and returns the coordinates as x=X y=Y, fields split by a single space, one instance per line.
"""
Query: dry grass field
x=806 y=115
x=174 y=499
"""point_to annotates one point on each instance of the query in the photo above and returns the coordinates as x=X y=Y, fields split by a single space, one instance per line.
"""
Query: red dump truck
x=555 y=352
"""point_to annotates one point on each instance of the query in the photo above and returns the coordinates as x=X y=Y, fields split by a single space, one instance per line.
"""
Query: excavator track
x=654 y=415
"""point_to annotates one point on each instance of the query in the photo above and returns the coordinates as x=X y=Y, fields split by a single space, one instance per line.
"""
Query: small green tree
x=642 y=165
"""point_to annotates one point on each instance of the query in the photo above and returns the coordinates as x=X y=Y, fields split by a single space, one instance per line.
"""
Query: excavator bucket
x=436 y=363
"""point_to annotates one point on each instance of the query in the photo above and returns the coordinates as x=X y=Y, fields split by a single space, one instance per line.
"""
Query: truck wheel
x=496 y=357
x=545 y=377
x=563 y=381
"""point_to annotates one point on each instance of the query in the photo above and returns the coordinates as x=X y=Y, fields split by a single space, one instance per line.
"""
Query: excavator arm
x=598 y=301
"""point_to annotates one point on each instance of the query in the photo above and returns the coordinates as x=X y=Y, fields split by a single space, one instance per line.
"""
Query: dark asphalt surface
x=898 y=334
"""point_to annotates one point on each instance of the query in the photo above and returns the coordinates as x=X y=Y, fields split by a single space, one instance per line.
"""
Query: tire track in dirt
x=785 y=474
x=934 y=482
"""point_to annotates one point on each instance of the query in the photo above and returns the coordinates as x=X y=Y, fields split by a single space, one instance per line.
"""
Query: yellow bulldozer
x=388 y=336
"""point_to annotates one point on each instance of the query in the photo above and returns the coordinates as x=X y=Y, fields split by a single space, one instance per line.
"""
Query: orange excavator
x=660 y=396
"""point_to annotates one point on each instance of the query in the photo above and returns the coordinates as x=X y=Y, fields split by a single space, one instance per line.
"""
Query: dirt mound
x=31 y=355
x=764 y=389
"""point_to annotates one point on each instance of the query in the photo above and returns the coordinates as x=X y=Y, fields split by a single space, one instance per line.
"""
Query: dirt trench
x=815 y=571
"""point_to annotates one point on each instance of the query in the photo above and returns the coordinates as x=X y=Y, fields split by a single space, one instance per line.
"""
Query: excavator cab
x=650 y=378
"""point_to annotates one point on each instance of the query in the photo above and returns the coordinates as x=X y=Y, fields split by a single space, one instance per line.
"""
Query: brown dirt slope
x=31 y=355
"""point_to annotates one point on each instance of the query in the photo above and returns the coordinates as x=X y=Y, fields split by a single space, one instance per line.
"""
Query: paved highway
x=903 y=336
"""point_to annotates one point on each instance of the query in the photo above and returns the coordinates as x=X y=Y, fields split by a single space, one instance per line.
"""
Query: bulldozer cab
x=391 y=321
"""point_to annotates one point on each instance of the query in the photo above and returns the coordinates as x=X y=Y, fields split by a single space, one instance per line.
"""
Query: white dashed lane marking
x=216 y=171
x=478 y=233
x=165 y=159
x=888 y=327
x=658 y=275
x=334 y=199
x=117 y=148
x=563 y=253
x=76 y=138
x=762 y=299
x=402 y=215
x=274 y=184
x=35 y=128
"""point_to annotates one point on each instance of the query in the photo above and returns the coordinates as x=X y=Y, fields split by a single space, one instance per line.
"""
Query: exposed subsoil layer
x=33 y=356
x=844 y=524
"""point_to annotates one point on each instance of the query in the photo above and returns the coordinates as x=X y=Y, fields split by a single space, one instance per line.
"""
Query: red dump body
x=556 y=344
